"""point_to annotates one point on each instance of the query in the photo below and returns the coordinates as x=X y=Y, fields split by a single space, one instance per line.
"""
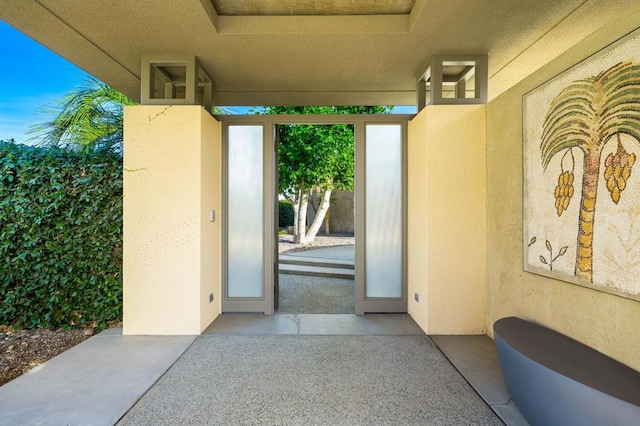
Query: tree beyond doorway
x=316 y=159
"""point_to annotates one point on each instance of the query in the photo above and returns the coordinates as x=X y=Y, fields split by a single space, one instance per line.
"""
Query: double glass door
x=250 y=211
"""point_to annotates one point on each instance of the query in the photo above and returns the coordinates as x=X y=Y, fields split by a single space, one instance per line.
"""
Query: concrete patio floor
x=93 y=383
x=282 y=369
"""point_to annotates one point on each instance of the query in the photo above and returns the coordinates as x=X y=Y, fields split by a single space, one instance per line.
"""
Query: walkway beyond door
x=317 y=281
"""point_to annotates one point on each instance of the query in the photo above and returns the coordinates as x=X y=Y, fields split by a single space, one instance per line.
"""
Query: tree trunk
x=317 y=220
x=300 y=237
x=296 y=207
x=313 y=198
x=327 y=231
x=584 y=252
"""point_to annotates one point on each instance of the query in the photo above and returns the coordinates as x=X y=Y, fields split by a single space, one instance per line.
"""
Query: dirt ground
x=22 y=350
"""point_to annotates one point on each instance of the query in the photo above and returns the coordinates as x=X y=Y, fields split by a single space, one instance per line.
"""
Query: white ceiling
x=346 y=52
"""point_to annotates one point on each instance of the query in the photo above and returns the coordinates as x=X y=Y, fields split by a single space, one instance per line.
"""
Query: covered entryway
x=249 y=214
x=178 y=257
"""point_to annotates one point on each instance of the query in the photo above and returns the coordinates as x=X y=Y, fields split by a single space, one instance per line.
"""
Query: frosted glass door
x=383 y=211
x=245 y=223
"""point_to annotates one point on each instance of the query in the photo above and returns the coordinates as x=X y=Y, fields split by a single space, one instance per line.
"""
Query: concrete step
x=315 y=261
x=316 y=271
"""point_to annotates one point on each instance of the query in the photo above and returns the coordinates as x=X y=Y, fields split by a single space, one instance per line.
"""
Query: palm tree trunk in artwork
x=584 y=253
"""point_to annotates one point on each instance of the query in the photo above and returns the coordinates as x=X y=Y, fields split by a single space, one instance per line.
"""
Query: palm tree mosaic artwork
x=583 y=196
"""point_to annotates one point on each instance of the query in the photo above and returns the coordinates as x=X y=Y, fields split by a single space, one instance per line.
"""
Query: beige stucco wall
x=172 y=178
x=605 y=322
x=211 y=232
x=446 y=219
x=341 y=213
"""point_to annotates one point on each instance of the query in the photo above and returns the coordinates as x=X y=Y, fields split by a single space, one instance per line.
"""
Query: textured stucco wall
x=171 y=251
x=446 y=219
x=605 y=322
x=341 y=213
x=417 y=219
x=211 y=237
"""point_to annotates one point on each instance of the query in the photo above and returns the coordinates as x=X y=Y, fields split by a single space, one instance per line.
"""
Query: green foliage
x=60 y=237
x=88 y=119
x=317 y=155
x=285 y=214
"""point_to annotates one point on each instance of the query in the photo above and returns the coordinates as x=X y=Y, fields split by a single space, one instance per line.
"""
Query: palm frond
x=567 y=123
x=621 y=108
x=88 y=119
x=587 y=113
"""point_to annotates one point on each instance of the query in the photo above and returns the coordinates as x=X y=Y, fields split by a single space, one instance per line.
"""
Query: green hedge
x=60 y=238
x=285 y=214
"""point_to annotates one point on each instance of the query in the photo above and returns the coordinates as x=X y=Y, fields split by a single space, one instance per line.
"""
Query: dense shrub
x=60 y=237
x=285 y=214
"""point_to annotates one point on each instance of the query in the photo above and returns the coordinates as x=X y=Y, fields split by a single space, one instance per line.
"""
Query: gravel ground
x=286 y=244
x=301 y=294
x=22 y=350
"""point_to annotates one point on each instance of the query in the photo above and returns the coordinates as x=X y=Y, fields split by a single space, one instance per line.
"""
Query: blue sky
x=32 y=77
x=35 y=77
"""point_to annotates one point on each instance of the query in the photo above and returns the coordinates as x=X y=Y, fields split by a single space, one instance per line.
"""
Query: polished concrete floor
x=231 y=379
x=315 y=324
x=312 y=369
x=475 y=358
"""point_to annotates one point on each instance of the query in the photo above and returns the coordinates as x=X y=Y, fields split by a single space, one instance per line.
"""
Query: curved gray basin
x=555 y=380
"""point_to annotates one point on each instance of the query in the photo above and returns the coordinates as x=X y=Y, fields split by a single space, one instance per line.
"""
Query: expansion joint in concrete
x=296 y=319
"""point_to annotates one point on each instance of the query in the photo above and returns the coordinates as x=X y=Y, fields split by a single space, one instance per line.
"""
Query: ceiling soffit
x=311 y=7
x=312 y=59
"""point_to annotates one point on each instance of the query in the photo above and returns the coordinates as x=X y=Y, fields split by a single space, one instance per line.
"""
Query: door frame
x=363 y=304
x=262 y=304
x=270 y=174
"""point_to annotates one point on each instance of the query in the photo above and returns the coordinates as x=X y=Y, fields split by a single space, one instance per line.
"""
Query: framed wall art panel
x=581 y=142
